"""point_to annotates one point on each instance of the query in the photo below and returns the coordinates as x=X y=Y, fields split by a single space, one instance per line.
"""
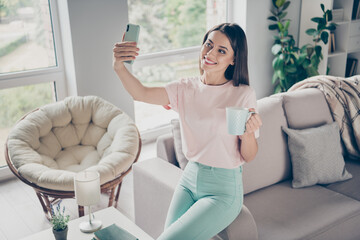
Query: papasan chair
x=48 y=146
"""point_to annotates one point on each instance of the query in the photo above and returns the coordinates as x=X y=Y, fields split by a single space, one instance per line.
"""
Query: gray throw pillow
x=316 y=155
x=182 y=160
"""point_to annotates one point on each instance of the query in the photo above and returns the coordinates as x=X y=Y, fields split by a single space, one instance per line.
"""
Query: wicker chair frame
x=48 y=196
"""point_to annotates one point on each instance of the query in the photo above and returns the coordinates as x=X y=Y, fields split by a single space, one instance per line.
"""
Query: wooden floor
x=21 y=213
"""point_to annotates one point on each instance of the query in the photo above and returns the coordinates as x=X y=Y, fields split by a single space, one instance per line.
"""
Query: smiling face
x=216 y=53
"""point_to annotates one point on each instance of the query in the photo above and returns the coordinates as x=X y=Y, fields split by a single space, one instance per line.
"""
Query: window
x=26 y=41
x=30 y=71
x=16 y=102
x=170 y=38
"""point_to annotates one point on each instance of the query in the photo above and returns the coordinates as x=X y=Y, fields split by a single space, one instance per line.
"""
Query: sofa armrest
x=243 y=227
x=154 y=184
x=155 y=181
x=165 y=148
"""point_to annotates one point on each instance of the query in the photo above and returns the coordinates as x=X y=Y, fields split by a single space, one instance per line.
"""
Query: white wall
x=260 y=39
x=94 y=28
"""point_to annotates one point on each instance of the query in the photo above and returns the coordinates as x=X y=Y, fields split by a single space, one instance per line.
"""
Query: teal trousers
x=206 y=200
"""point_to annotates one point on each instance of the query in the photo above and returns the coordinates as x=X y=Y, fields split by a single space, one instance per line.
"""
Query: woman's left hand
x=253 y=124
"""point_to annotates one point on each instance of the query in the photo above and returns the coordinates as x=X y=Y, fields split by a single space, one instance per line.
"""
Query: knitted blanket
x=343 y=98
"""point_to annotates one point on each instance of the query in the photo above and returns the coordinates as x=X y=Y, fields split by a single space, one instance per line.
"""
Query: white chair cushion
x=50 y=145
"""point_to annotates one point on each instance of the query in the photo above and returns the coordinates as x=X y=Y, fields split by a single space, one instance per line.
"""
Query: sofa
x=273 y=208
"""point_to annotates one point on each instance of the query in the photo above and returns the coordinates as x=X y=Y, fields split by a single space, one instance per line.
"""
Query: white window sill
x=6 y=174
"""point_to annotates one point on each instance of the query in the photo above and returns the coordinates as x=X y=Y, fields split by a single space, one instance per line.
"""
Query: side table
x=107 y=216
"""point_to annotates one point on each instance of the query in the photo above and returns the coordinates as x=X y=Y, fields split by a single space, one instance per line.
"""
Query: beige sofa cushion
x=272 y=161
x=54 y=142
x=306 y=108
x=282 y=212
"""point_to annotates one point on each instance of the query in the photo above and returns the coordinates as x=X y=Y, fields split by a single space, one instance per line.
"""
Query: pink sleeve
x=172 y=90
x=251 y=103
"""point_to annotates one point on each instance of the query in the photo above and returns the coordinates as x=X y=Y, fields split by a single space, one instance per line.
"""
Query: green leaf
x=318 y=50
x=295 y=55
x=283 y=83
x=301 y=59
x=273 y=27
x=320 y=27
x=296 y=49
x=286 y=5
x=281 y=74
x=278 y=62
x=277 y=89
x=318 y=20
x=292 y=42
x=304 y=48
x=287 y=24
x=325 y=37
x=322 y=7
x=272 y=18
x=329 y=16
x=276 y=49
x=282 y=15
x=287 y=58
x=291 y=68
x=311 y=71
x=285 y=40
x=306 y=63
x=276 y=37
x=310 y=51
x=280 y=26
x=274 y=77
x=331 y=27
x=274 y=62
x=274 y=4
x=315 y=60
x=279 y=3
x=311 y=31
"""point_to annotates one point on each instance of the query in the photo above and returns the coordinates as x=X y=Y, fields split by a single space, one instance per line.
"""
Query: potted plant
x=59 y=222
x=291 y=63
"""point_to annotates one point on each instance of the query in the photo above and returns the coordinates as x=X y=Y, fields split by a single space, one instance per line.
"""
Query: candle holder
x=87 y=193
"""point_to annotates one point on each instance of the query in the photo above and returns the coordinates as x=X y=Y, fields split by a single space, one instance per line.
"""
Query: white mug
x=236 y=118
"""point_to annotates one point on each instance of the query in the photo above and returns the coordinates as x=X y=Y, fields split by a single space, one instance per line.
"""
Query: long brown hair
x=239 y=71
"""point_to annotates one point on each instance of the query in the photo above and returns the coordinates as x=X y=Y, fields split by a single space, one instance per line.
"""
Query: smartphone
x=132 y=35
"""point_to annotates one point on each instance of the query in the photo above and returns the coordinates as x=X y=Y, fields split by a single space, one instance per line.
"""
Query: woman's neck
x=213 y=79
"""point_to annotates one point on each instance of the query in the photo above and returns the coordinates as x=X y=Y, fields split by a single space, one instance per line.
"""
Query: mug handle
x=249 y=114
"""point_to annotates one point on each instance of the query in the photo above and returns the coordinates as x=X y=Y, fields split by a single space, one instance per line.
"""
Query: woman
x=209 y=195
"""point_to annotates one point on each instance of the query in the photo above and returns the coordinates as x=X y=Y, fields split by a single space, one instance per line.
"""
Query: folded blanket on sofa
x=343 y=98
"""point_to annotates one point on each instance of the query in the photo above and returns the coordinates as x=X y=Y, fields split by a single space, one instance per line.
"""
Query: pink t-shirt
x=202 y=117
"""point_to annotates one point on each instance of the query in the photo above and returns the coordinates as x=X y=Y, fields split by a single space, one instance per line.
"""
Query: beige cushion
x=272 y=161
x=306 y=108
x=49 y=146
x=316 y=155
x=180 y=157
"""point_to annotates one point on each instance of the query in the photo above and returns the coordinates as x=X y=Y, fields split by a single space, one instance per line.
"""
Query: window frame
x=54 y=74
x=168 y=56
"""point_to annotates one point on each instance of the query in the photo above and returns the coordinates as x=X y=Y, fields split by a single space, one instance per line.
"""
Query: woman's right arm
x=126 y=51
